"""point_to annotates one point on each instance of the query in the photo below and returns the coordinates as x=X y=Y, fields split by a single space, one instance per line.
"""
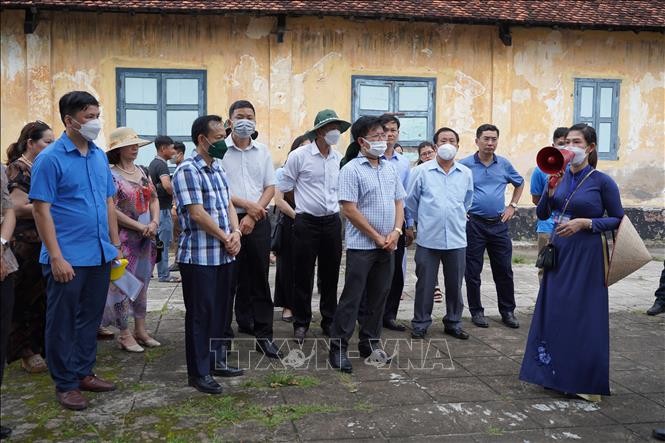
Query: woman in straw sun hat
x=568 y=345
x=137 y=209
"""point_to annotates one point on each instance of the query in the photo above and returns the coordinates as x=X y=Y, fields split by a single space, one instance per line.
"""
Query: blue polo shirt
x=77 y=188
x=489 y=184
x=538 y=185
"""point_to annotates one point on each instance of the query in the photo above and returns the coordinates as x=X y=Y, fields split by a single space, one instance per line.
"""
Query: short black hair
x=179 y=146
x=486 y=127
x=163 y=140
x=389 y=118
x=75 y=101
x=559 y=132
x=445 y=129
x=239 y=104
x=201 y=126
x=363 y=125
x=590 y=137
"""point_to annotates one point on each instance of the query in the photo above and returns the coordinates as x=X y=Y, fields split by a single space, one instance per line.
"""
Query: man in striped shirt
x=371 y=194
x=209 y=241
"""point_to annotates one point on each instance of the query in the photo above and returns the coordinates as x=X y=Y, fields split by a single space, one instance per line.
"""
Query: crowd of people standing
x=73 y=211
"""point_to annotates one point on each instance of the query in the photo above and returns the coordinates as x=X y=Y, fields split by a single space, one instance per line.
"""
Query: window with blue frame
x=597 y=104
x=160 y=102
x=411 y=99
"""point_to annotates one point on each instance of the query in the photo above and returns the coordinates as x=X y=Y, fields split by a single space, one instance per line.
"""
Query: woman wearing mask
x=568 y=345
x=26 y=339
x=137 y=209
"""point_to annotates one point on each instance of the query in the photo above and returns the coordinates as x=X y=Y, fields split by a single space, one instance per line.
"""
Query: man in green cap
x=311 y=171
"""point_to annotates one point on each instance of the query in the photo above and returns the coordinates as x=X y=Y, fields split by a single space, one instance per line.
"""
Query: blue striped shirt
x=195 y=183
x=374 y=190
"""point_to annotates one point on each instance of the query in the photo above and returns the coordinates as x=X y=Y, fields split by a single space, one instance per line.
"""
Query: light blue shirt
x=77 y=187
x=403 y=167
x=489 y=198
x=374 y=190
x=439 y=202
x=538 y=185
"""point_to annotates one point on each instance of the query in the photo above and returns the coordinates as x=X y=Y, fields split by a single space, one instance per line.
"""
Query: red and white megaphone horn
x=553 y=161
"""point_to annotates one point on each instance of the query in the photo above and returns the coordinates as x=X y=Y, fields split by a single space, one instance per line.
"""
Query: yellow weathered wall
x=525 y=89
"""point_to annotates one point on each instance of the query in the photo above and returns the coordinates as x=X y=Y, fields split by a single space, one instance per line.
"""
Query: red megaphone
x=553 y=161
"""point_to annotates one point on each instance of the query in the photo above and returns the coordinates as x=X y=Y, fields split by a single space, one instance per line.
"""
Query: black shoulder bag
x=547 y=256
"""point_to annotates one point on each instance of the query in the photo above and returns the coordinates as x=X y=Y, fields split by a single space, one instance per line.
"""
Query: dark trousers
x=427 y=270
x=316 y=238
x=207 y=292
x=493 y=236
x=397 y=286
x=6 y=307
x=368 y=278
x=660 y=292
x=284 y=266
x=253 y=303
x=73 y=313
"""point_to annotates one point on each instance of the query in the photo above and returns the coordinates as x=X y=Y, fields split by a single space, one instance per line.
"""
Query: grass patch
x=347 y=381
x=519 y=260
x=493 y=430
x=152 y=354
x=282 y=379
x=363 y=406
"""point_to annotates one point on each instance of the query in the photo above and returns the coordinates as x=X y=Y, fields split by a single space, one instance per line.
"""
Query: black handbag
x=159 y=246
x=276 y=236
x=547 y=257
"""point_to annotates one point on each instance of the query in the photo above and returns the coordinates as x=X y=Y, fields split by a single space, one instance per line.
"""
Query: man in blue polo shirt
x=487 y=227
x=72 y=192
x=538 y=183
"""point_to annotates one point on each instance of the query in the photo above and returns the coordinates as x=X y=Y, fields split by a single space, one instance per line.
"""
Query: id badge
x=560 y=218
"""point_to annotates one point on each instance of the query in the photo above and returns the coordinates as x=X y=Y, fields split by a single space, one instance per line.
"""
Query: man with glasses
x=371 y=194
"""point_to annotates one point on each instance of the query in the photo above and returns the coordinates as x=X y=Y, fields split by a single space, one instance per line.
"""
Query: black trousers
x=6 y=307
x=316 y=238
x=368 y=281
x=660 y=292
x=253 y=303
x=397 y=286
x=285 y=266
x=207 y=292
x=494 y=237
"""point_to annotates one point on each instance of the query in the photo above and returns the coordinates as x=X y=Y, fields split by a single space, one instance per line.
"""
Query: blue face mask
x=244 y=128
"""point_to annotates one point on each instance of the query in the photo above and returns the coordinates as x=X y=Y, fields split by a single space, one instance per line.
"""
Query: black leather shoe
x=510 y=320
x=299 y=334
x=377 y=353
x=457 y=333
x=657 y=308
x=221 y=369
x=245 y=330
x=268 y=348
x=339 y=360
x=5 y=432
x=658 y=434
x=418 y=333
x=205 y=384
x=479 y=320
x=393 y=325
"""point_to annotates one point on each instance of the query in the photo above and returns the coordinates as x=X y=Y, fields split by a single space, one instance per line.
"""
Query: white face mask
x=90 y=129
x=332 y=136
x=580 y=155
x=244 y=128
x=446 y=151
x=377 y=148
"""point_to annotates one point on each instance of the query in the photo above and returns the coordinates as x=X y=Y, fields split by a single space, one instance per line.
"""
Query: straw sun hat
x=121 y=137
x=628 y=255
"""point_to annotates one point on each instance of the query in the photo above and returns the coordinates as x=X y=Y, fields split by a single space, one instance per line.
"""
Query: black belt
x=488 y=221
x=324 y=219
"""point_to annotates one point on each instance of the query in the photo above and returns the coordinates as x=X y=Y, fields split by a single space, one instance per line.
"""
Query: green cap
x=328 y=116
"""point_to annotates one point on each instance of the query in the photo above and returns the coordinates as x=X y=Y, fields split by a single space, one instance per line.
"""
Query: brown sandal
x=34 y=364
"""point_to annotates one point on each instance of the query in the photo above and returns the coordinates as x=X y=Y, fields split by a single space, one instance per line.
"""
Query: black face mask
x=218 y=149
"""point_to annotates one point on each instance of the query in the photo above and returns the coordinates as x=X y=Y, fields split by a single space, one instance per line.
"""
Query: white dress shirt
x=314 y=179
x=249 y=171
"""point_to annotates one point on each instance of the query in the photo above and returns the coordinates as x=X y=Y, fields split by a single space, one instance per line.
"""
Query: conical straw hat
x=628 y=255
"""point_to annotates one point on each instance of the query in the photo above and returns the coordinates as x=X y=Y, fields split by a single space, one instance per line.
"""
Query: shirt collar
x=435 y=165
x=229 y=142
x=396 y=157
x=70 y=146
x=362 y=159
x=158 y=157
x=476 y=158
x=201 y=164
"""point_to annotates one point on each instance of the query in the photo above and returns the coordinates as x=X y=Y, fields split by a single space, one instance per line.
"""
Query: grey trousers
x=427 y=269
x=367 y=272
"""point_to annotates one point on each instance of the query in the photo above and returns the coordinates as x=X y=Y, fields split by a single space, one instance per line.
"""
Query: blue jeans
x=73 y=314
x=165 y=235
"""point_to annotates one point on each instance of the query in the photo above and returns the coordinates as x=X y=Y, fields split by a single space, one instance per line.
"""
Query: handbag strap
x=570 y=197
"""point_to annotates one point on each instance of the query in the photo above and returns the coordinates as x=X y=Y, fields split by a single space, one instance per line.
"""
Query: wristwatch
x=399 y=231
x=3 y=241
x=514 y=205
